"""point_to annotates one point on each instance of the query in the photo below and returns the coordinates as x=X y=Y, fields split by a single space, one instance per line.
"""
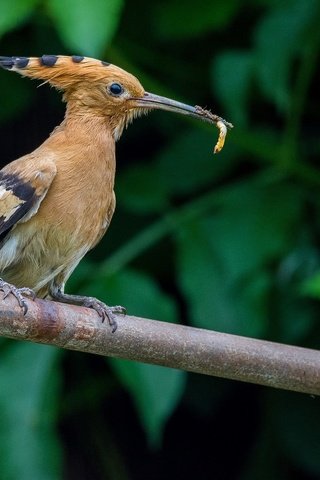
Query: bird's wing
x=23 y=185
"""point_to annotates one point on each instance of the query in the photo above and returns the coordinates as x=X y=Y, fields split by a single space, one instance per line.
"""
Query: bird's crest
x=60 y=71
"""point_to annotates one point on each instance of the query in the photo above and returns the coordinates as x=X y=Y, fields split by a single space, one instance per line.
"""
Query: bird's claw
x=105 y=311
x=18 y=293
x=118 y=309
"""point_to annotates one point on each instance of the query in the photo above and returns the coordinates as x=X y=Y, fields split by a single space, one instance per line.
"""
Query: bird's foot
x=18 y=293
x=105 y=311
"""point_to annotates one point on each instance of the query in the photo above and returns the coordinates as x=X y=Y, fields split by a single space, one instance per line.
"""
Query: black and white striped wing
x=20 y=198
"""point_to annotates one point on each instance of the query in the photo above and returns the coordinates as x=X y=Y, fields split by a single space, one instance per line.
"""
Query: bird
x=57 y=202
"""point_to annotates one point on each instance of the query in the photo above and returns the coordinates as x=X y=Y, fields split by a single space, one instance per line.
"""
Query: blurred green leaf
x=295 y=313
x=13 y=15
x=223 y=260
x=214 y=301
x=188 y=163
x=295 y=419
x=86 y=27
x=81 y=276
x=156 y=392
x=296 y=316
x=255 y=225
x=193 y=19
x=280 y=38
x=140 y=190
x=311 y=286
x=29 y=385
x=261 y=145
x=232 y=74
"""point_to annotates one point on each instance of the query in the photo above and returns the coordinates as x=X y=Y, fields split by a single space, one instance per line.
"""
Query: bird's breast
x=80 y=201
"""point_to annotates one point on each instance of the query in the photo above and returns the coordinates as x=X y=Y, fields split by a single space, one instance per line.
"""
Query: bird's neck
x=91 y=117
x=83 y=141
x=86 y=123
x=83 y=130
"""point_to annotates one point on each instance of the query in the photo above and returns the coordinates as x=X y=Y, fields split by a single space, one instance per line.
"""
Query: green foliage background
x=229 y=243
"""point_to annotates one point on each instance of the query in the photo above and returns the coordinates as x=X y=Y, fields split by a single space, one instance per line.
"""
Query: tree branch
x=177 y=346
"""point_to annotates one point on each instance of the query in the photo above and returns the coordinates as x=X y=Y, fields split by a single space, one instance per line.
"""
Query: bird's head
x=99 y=88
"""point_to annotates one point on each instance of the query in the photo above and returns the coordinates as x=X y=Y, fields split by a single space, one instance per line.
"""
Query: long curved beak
x=152 y=101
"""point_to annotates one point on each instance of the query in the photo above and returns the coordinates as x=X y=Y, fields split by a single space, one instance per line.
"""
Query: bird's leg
x=18 y=293
x=101 y=308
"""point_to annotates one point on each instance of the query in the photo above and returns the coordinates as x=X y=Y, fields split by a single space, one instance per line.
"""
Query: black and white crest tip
x=9 y=62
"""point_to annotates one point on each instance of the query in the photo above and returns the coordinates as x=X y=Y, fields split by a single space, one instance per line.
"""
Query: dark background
x=229 y=243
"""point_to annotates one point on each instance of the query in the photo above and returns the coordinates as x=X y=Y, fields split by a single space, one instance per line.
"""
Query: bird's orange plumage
x=58 y=201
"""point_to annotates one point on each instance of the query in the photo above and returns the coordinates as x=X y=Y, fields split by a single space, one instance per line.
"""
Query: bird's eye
x=116 y=89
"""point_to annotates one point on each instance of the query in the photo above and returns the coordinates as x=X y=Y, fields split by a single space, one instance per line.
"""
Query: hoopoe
x=57 y=202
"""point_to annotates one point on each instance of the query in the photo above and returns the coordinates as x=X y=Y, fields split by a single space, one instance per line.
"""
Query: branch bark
x=150 y=341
